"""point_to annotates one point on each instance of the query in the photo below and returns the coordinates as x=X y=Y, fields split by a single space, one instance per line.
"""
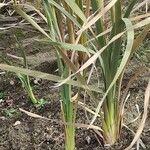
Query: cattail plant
x=68 y=61
x=82 y=33
x=113 y=61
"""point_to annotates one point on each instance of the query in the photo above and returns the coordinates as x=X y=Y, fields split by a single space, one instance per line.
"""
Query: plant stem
x=70 y=140
x=31 y=94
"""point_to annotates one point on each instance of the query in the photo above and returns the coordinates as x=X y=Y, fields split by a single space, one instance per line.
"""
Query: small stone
x=2 y=118
x=12 y=82
x=35 y=81
x=1 y=73
x=1 y=100
x=17 y=123
x=88 y=139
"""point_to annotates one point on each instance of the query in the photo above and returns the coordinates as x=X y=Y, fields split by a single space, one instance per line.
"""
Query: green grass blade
x=50 y=19
x=38 y=74
x=59 y=7
x=68 y=46
x=115 y=48
x=30 y=20
x=75 y=8
x=97 y=17
x=99 y=25
x=130 y=8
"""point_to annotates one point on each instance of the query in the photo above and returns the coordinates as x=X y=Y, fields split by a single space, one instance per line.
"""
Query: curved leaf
x=38 y=74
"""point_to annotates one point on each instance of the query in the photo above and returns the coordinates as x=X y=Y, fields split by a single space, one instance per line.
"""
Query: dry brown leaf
x=79 y=125
x=141 y=126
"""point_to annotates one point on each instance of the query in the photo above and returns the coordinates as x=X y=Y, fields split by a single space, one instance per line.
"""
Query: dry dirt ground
x=19 y=131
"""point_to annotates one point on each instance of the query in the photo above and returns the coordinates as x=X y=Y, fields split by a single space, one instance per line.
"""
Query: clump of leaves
x=10 y=112
x=2 y=94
